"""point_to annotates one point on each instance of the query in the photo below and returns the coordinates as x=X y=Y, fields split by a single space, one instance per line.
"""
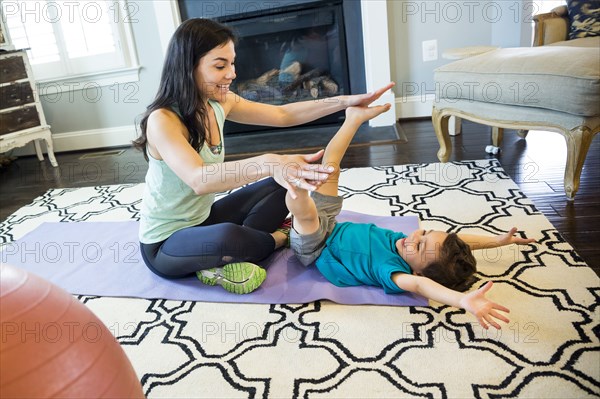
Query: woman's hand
x=483 y=309
x=510 y=238
x=364 y=100
x=297 y=171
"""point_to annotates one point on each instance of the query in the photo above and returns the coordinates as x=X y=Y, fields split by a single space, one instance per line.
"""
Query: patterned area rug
x=549 y=349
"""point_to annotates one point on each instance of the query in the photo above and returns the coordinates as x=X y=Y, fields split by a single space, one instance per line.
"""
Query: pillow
x=584 y=17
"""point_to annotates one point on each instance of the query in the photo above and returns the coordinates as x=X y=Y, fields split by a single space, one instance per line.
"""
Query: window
x=73 y=38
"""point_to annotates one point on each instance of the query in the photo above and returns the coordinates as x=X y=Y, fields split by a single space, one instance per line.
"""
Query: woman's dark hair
x=455 y=267
x=190 y=42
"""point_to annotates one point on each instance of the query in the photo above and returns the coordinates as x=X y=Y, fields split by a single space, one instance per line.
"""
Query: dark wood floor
x=535 y=164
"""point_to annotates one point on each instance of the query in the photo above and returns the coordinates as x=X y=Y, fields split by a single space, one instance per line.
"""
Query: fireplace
x=291 y=51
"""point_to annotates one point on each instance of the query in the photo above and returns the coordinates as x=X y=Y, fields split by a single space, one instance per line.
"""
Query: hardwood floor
x=536 y=164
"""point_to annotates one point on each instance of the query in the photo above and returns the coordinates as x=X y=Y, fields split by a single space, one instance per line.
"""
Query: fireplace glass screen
x=289 y=57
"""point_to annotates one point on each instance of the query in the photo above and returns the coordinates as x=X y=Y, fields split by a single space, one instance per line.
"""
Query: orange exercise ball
x=53 y=346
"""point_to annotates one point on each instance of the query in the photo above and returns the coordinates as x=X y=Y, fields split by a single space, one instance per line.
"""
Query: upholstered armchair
x=551 y=27
x=553 y=86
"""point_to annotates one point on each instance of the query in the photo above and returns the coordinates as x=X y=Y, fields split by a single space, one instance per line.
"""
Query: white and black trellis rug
x=550 y=348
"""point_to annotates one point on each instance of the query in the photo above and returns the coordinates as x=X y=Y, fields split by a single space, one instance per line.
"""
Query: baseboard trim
x=406 y=107
x=414 y=106
x=85 y=140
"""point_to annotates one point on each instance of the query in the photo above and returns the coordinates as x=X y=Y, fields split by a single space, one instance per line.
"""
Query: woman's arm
x=167 y=138
x=240 y=110
x=473 y=302
x=482 y=242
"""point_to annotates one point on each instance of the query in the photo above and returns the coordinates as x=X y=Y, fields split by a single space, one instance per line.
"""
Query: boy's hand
x=363 y=114
x=510 y=238
x=364 y=100
x=483 y=309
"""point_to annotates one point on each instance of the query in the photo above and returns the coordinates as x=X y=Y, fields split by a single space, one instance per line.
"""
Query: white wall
x=453 y=24
x=79 y=123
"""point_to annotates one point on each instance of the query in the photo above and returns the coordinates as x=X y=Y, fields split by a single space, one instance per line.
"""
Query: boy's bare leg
x=338 y=145
x=304 y=210
x=306 y=219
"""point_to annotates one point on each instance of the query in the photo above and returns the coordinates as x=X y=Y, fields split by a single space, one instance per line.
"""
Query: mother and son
x=183 y=230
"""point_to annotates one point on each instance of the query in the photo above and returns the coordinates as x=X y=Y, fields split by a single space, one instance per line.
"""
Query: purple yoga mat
x=102 y=258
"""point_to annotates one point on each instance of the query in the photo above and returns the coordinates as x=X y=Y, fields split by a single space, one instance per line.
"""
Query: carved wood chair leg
x=440 y=126
x=578 y=141
x=522 y=133
x=454 y=125
x=497 y=136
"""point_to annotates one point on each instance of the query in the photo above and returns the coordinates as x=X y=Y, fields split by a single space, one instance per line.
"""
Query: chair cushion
x=591 y=42
x=560 y=78
x=584 y=17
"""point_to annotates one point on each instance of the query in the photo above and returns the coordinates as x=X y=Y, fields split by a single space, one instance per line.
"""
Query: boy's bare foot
x=363 y=114
x=281 y=239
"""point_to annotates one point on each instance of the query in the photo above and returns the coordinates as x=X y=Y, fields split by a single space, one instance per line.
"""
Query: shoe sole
x=237 y=278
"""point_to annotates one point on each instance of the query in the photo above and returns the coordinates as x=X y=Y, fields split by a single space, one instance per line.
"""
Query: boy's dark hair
x=455 y=266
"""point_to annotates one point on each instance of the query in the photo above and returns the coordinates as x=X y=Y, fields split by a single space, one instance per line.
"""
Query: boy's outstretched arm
x=473 y=302
x=476 y=241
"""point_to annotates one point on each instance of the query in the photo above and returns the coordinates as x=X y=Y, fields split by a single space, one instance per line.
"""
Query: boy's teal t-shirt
x=362 y=254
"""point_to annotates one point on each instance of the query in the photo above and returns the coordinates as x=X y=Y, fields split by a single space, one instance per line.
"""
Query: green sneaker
x=239 y=278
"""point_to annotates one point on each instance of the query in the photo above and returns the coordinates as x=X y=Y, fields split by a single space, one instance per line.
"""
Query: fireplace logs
x=290 y=84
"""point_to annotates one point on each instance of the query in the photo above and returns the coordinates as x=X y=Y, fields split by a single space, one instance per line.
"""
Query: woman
x=182 y=229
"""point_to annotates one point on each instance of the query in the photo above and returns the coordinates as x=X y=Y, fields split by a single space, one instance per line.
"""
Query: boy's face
x=420 y=248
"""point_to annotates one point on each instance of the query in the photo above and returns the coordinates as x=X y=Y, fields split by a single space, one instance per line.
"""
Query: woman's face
x=216 y=71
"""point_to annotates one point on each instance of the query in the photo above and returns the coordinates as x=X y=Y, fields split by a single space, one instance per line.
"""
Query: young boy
x=431 y=263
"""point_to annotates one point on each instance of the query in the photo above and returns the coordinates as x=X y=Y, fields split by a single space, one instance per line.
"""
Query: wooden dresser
x=21 y=116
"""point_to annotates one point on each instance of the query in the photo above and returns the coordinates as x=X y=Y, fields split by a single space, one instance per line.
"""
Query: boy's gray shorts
x=308 y=247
